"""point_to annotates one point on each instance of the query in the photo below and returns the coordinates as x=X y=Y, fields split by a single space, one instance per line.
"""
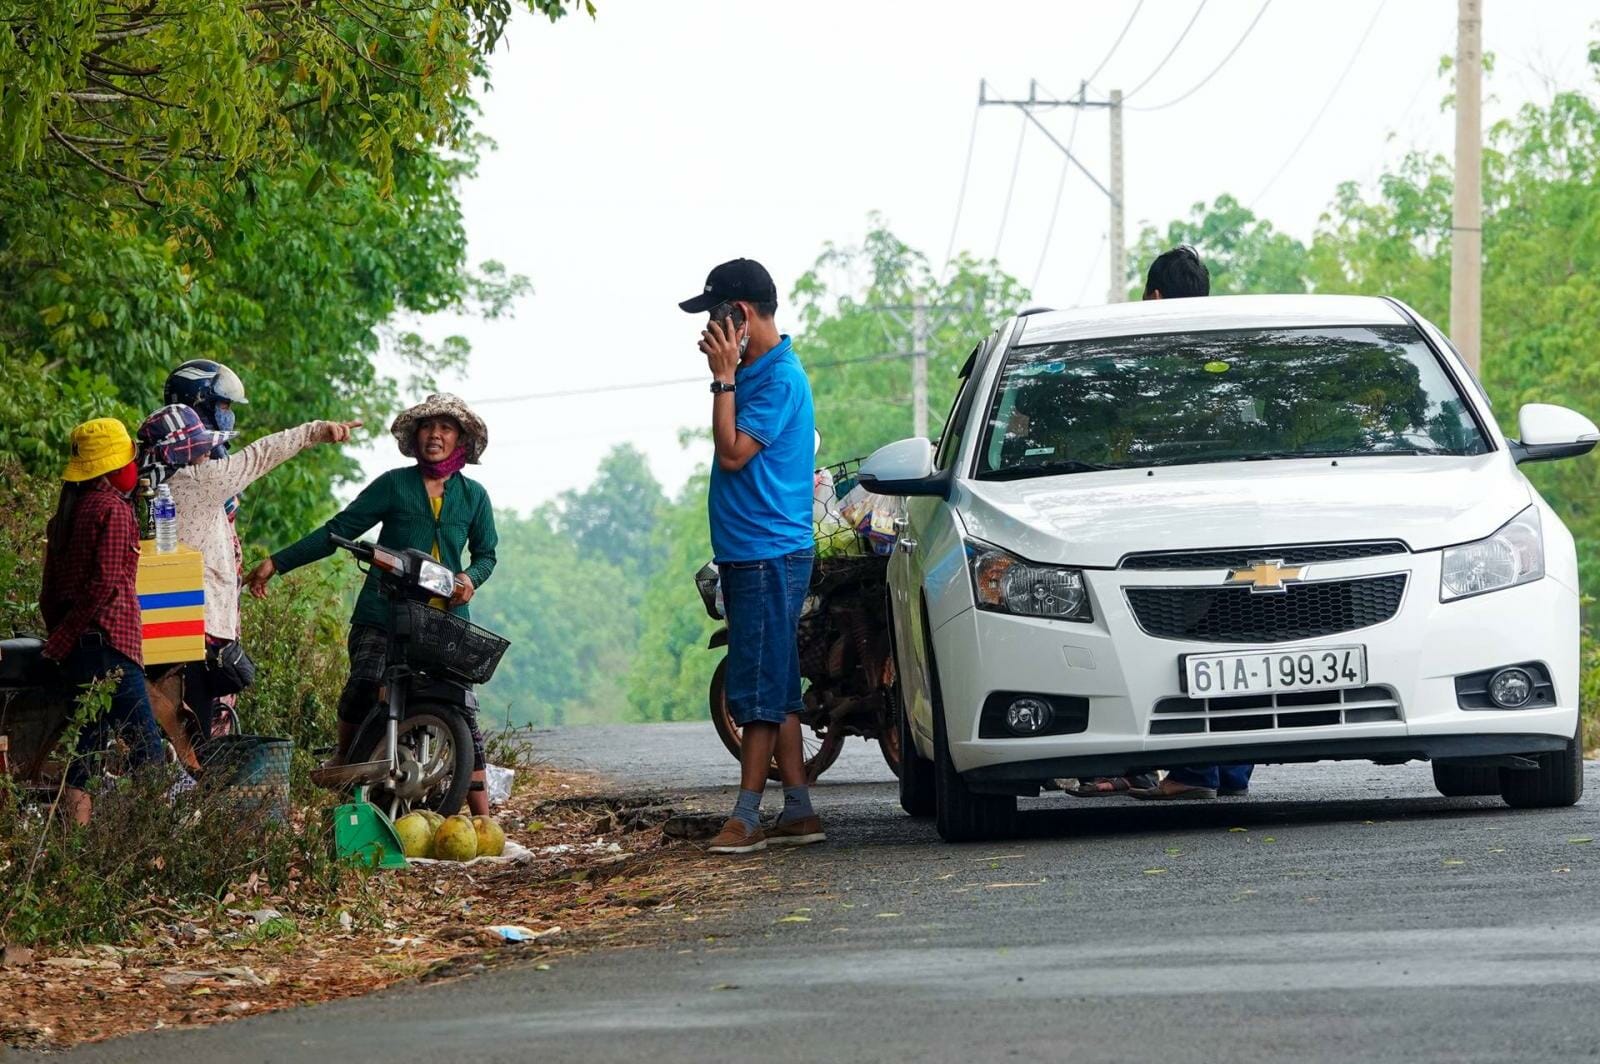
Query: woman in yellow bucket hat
x=90 y=599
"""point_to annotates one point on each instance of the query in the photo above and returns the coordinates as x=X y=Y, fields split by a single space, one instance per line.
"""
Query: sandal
x=1101 y=787
x=1177 y=792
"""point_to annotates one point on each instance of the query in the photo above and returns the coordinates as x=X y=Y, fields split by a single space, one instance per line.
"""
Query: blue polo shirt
x=764 y=510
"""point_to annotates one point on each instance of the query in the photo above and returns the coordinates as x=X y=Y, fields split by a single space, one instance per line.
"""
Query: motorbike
x=846 y=668
x=37 y=702
x=413 y=750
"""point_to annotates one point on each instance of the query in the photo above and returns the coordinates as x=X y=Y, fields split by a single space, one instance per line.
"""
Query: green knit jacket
x=399 y=501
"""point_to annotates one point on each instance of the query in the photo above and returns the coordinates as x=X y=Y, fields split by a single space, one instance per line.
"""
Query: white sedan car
x=1228 y=530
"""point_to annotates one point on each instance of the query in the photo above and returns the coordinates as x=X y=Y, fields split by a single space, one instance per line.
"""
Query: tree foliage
x=263 y=182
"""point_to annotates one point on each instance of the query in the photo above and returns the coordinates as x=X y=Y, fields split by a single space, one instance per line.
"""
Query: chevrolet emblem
x=1267 y=576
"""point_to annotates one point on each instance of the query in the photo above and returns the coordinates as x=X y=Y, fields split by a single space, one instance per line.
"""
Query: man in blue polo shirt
x=760 y=508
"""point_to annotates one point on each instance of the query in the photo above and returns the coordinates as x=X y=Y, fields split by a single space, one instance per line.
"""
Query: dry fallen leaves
x=438 y=917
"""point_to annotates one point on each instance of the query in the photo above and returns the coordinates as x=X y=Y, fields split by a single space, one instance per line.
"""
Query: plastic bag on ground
x=498 y=781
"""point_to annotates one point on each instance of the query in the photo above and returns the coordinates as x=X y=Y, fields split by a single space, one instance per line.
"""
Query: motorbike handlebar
x=358 y=548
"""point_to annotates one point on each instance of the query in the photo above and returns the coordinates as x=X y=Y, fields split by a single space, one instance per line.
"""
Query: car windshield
x=1185 y=398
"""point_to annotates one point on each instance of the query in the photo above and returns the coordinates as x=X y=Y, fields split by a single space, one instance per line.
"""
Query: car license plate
x=1274 y=671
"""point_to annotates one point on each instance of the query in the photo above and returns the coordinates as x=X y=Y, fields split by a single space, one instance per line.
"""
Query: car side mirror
x=1550 y=432
x=904 y=468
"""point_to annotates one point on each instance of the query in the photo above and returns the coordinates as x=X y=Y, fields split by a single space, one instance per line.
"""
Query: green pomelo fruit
x=456 y=840
x=491 y=839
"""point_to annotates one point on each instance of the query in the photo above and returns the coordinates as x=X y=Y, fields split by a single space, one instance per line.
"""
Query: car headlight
x=1513 y=555
x=1007 y=584
x=432 y=576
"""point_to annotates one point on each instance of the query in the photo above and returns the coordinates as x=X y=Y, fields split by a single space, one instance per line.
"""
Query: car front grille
x=1297 y=709
x=1244 y=557
x=1242 y=615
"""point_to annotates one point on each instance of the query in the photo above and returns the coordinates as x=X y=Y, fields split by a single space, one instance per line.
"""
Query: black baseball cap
x=742 y=279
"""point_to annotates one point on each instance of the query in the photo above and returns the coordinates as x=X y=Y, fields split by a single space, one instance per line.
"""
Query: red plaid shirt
x=94 y=584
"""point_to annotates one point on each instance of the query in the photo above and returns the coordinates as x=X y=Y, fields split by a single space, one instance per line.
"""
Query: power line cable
x=1332 y=94
x=1118 y=42
x=1171 y=52
x=1214 y=70
x=601 y=389
x=961 y=197
x=1061 y=184
x=1089 y=273
x=1016 y=165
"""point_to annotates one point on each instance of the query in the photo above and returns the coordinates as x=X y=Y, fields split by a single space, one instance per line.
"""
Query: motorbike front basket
x=442 y=643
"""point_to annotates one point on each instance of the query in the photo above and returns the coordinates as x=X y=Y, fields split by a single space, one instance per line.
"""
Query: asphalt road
x=1339 y=913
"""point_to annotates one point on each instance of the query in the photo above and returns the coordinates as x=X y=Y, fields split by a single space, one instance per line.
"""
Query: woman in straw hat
x=429 y=506
x=90 y=598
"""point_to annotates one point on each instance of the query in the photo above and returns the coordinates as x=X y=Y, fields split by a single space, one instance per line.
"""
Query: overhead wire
x=1055 y=210
x=1315 y=119
x=601 y=389
x=1170 y=53
x=1011 y=187
x=1088 y=275
x=1214 y=70
x=1118 y=42
x=961 y=197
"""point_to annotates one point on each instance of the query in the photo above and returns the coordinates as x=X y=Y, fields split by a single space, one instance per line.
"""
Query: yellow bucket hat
x=99 y=447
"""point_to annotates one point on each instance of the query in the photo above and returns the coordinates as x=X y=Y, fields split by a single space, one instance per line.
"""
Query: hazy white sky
x=639 y=149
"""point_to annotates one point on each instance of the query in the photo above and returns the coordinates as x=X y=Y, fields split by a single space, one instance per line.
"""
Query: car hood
x=1094 y=519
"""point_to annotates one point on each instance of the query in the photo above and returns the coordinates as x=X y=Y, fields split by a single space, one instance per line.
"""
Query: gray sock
x=747 y=810
x=796 y=805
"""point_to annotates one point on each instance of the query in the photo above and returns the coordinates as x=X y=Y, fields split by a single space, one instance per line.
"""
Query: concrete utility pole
x=920 y=326
x=1119 y=265
x=1034 y=103
x=1466 y=236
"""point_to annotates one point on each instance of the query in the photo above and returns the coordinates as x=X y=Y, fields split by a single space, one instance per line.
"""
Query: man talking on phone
x=761 y=538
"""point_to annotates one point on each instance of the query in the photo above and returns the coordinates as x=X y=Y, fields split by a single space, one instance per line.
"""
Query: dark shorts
x=763 y=600
x=369 y=656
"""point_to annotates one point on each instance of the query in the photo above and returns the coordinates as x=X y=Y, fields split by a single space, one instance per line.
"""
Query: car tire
x=916 y=772
x=1465 y=781
x=1558 y=781
x=961 y=814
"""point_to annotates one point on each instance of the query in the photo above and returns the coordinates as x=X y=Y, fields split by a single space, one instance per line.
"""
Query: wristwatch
x=718 y=387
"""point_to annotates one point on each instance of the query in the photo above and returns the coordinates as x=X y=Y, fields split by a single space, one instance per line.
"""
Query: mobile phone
x=729 y=312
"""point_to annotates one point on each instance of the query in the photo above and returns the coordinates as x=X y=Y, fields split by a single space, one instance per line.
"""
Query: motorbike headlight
x=431 y=576
x=1513 y=555
x=1007 y=584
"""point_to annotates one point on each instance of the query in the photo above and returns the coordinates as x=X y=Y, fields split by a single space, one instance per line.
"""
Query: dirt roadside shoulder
x=607 y=870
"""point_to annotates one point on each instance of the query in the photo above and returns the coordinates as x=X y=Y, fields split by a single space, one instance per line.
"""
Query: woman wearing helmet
x=175 y=439
x=211 y=390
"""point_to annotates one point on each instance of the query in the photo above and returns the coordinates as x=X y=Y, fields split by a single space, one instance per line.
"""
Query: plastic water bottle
x=164 y=512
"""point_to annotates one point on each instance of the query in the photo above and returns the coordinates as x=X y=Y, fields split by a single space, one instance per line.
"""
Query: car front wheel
x=1558 y=781
x=961 y=814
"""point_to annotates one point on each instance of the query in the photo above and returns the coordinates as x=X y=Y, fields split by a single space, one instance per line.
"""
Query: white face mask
x=744 y=343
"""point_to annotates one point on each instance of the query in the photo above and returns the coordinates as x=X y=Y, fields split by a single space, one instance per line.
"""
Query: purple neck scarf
x=445 y=469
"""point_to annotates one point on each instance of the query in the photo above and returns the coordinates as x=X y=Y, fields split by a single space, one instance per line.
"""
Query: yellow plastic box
x=172 y=604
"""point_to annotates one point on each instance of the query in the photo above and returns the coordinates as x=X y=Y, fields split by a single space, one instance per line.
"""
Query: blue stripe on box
x=168 y=599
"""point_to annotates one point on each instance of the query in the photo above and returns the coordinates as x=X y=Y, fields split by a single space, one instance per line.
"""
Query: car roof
x=1207 y=314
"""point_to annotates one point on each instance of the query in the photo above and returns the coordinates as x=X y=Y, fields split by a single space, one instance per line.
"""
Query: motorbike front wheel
x=435 y=760
x=820 y=750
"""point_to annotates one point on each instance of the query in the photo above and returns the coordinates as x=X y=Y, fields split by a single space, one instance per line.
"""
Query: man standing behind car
x=1178 y=274
x=761 y=537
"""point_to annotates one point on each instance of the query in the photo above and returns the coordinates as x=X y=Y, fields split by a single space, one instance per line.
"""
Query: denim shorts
x=762 y=601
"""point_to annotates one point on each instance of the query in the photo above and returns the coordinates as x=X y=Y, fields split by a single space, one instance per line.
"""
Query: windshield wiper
x=1044 y=469
x=1263 y=456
